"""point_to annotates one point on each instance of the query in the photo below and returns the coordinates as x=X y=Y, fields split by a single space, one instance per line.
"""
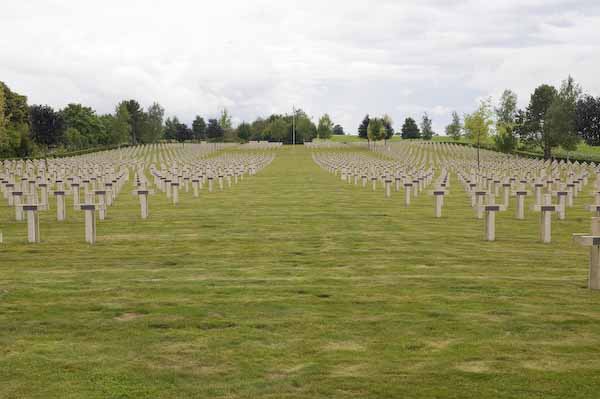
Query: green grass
x=295 y=285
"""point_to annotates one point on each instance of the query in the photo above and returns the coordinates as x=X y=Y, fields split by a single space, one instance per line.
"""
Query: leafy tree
x=387 y=125
x=305 y=128
x=2 y=112
x=153 y=128
x=338 y=130
x=171 y=125
x=587 y=119
x=86 y=122
x=477 y=124
x=225 y=120
x=182 y=132
x=120 y=129
x=324 y=130
x=244 y=131
x=14 y=124
x=454 y=129
x=376 y=129
x=258 y=128
x=506 y=114
x=531 y=129
x=278 y=129
x=214 y=131
x=505 y=138
x=426 y=129
x=560 y=125
x=47 y=125
x=74 y=139
x=136 y=119
x=507 y=109
x=410 y=130
x=363 y=128
x=199 y=128
x=16 y=111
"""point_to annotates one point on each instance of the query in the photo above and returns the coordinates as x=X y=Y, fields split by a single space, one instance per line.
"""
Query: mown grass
x=296 y=285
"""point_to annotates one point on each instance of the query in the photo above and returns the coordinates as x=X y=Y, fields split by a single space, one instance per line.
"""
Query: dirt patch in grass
x=128 y=316
x=478 y=366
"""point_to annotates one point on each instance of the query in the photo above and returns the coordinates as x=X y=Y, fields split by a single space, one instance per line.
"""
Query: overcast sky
x=343 y=57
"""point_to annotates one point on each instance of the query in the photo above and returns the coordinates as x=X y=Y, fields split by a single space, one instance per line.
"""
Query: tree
x=225 y=120
x=426 y=129
x=16 y=111
x=454 y=129
x=506 y=114
x=387 y=125
x=376 y=129
x=324 y=129
x=505 y=138
x=3 y=137
x=338 y=130
x=73 y=139
x=244 y=131
x=120 y=129
x=531 y=129
x=278 y=128
x=587 y=119
x=507 y=108
x=153 y=129
x=47 y=125
x=214 y=131
x=2 y=106
x=182 y=132
x=86 y=122
x=560 y=126
x=305 y=128
x=14 y=124
x=410 y=130
x=363 y=128
x=136 y=119
x=171 y=125
x=199 y=128
x=477 y=124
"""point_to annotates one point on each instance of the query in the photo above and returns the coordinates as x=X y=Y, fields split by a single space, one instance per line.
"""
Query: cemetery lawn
x=293 y=284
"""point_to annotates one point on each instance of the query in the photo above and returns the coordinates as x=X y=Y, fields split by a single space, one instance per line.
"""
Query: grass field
x=295 y=285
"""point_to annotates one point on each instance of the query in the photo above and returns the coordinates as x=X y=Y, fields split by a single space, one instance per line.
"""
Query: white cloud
x=346 y=58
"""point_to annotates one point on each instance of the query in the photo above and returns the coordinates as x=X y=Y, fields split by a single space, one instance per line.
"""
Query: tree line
x=381 y=128
x=554 y=117
x=38 y=129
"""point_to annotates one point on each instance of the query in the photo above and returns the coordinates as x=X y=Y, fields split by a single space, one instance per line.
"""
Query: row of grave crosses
x=221 y=170
x=353 y=168
x=547 y=179
x=27 y=185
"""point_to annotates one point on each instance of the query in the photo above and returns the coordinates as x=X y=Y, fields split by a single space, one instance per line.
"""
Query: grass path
x=296 y=285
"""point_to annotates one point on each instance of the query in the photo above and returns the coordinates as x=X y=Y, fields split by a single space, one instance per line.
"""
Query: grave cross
x=592 y=241
x=546 y=210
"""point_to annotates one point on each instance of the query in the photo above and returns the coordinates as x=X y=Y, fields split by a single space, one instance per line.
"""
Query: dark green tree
x=214 y=131
x=363 y=128
x=152 y=124
x=199 y=128
x=388 y=126
x=47 y=125
x=410 y=130
x=136 y=119
x=244 y=131
x=587 y=119
x=532 y=130
x=338 y=130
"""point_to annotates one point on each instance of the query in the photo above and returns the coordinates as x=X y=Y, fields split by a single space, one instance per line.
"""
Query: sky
x=345 y=58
